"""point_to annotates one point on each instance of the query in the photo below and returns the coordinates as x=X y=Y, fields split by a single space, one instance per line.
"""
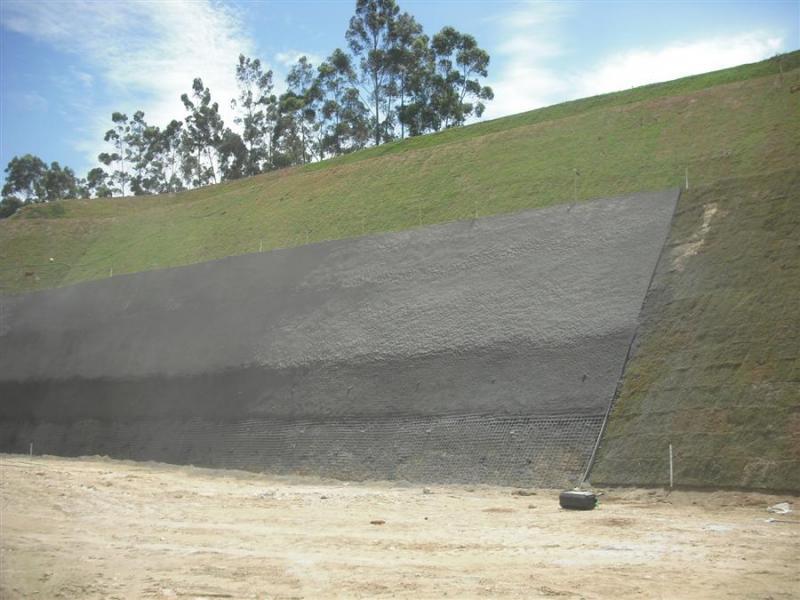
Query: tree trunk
x=303 y=141
x=402 y=106
x=211 y=164
x=377 y=111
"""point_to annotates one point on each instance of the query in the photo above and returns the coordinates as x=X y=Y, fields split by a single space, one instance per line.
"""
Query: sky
x=66 y=65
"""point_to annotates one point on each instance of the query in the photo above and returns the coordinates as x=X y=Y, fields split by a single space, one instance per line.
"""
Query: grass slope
x=716 y=367
x=742 y=121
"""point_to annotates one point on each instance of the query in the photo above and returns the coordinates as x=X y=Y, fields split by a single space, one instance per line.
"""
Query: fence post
x=670 y=466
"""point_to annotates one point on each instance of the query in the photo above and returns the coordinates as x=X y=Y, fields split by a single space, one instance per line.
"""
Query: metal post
x=687 y=178
x=670 y=466
x=260 y=245
x=30 y=450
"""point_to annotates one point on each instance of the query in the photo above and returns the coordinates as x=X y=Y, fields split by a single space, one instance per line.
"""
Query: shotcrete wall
x=485 y=350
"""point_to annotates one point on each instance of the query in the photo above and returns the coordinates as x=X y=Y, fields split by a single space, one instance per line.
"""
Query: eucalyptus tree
x=369 y=36
x=169 y=158
x=256 y=109
x=406 y=55
x=25 y=179
x=344 y=119
x=143 y=141
x=460 y=63
x=297 y=127
x=233 y=156
x=97 y=183
x=60 y=183
x=419 y=113
x=119 y=160
x=203 y=134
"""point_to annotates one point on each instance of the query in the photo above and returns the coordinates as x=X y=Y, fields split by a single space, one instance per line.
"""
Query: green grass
x=716 y=370
x=739 y=121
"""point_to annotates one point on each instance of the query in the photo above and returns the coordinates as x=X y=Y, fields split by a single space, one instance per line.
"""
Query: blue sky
x=66 y=65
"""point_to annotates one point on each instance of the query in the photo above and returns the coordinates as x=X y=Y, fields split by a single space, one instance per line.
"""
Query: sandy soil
x=92 y=528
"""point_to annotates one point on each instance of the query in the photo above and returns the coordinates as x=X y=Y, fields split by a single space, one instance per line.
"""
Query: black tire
x=577 y=500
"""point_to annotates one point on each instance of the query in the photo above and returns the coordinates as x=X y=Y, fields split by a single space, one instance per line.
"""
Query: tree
x=152 y=161
x=257 y=108
x=370 y=38
x=407 y=55
x=25 y=179
x=9 y=205
x=343 y=116
x=233 y=156
x=60 y=184
x=29 y=179
x=169 y=157
x=97 y=183
x=397 y=80
x=119 y=137
x=420 y=113
x=296 y=125
x=459 y=64
x=203 y=134
x=144 y=143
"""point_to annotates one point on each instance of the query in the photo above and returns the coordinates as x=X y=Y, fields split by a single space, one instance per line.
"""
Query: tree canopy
x=394 y=81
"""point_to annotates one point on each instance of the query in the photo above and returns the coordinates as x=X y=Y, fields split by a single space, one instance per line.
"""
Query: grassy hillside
x=716 y=367
x=738 y=122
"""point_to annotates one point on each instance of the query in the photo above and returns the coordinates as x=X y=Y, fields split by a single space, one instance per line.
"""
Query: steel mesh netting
x=522 y=450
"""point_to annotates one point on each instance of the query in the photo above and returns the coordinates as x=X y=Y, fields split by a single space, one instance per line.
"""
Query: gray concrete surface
x=528 y=314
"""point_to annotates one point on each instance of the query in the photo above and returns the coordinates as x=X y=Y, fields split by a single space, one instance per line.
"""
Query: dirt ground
x=98 y=528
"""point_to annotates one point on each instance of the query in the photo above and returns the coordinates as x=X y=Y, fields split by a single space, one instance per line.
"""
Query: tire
x=577 y=500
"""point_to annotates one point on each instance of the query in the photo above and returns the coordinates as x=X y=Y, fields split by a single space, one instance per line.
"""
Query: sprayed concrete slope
x=485 y=350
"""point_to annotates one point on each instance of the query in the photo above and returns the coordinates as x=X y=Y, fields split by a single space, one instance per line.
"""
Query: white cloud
x=643 y=66
x=145 y=54
x=32 y=101
x=529 y=78
x=290 y=57
x=85 y=79
x=530 y=40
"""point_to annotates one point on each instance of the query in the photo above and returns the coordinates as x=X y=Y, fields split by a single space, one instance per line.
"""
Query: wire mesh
x=508 y=450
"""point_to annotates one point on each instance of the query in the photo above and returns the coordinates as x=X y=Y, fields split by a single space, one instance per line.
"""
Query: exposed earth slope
x=715 y=368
